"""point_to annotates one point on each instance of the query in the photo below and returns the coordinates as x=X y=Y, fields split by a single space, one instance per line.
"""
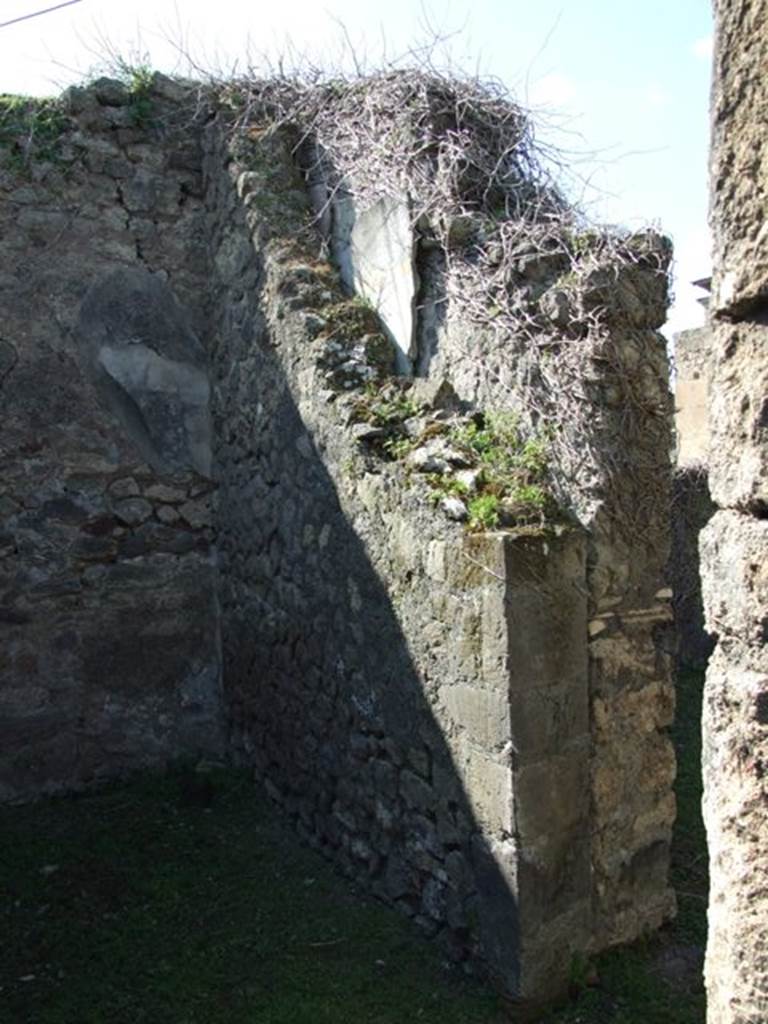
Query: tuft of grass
x=397 y=446
x=445 y=486
x=513 y=484
x=387 y=405
x=484 y=512
x=139 y=79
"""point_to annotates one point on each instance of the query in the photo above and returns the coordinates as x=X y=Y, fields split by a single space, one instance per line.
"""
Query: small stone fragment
x=454 y=508
x=164 y=492
x=167 y=514
x=424 y=460
x=125 y=487
x=133 y=511
x=469 y=478
x=196 y=513
x=367 y=432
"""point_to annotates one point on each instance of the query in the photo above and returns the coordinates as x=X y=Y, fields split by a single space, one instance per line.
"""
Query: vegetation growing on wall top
x=525 y=272
x=30 y=128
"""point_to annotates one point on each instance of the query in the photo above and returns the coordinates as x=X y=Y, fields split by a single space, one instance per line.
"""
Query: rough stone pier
x=249 y=513
x=734 y=547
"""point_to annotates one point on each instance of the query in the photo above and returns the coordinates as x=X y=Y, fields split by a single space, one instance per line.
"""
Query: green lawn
x=140 y=904
x=167 y=902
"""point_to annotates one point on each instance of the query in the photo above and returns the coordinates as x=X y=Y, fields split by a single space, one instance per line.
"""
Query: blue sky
x=622 y=87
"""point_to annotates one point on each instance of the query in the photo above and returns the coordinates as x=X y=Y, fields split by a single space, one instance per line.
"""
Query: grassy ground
x=164 y=901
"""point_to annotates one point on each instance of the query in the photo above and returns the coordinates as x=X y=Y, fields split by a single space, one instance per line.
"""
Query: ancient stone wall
x=692 y=505
x=734 y=547
x=626 y=670
x=558 y=323
x=692 y=508
x=473 y=723
x=692 y=395
x=110 y=653
x=413 y=696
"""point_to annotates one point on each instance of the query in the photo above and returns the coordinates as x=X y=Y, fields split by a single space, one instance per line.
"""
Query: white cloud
x=702 y=48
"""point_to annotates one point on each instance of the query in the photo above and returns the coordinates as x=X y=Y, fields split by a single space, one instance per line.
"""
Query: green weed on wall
x=30 y=129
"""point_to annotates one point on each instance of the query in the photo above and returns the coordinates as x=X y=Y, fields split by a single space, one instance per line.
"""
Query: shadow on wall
x=328 y=705
x=416 y=698
x=149 y=368
x=110 y=657
x=324 y=695
x=691 y=511
x=333 y=679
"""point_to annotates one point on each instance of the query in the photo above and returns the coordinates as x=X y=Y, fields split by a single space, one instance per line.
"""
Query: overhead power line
x=36 y=14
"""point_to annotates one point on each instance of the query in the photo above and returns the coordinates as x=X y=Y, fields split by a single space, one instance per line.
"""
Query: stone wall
x=692 y=506
x=600 y=385
x=692 y=395
x=110 y=652
x=299 y=377
x=474 y=724
x=397 y=683
x=734 y=547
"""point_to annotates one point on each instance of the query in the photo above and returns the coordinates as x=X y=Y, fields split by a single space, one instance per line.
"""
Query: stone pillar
x=548 y=679
x=528 y=781
x=734 y=547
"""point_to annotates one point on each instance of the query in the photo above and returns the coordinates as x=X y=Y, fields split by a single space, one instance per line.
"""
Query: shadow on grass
x=181 y=899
